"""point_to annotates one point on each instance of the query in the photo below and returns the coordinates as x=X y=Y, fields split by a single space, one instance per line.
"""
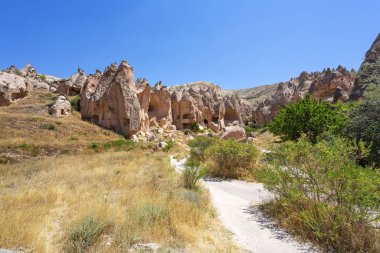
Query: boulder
x=71 y=86
x=61 y=107
x=12 y=88
x=234 y=132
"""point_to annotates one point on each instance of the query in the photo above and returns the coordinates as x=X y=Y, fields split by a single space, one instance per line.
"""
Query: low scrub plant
x=191 y=175
x=85 y=234
x=323 y=195
x=230 y=159
x=169 y=146
x=75 y=103
x=198 y=147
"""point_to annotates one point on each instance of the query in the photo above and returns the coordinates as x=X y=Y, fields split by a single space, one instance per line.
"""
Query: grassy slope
x=27 y=130
x=130 y=196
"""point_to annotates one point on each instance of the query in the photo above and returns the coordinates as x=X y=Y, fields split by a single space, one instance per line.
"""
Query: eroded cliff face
x=331 y=85
x=16 y=84
x=114 y=100
x=111 y=100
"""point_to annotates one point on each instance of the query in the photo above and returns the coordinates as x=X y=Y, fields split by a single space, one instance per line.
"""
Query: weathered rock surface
x=61 y=107
x=13 y=87
x=204 y=103
x=114 y=100
x=369 y=72
x=234 y=132
x=111 y=100
x=16 y=84
x=71 y=86
x=331 y=85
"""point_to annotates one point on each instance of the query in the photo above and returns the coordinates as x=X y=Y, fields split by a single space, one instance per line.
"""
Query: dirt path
x=236 y=203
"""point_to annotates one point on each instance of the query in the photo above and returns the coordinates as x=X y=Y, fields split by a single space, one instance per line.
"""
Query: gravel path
x=235 y=202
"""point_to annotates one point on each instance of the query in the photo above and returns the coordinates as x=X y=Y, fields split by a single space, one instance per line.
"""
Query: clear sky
x=235 y=43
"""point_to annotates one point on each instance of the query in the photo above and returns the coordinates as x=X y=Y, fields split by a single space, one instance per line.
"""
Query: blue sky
x=236 y=44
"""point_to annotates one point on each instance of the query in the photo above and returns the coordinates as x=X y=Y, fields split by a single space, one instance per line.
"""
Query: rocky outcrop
x=234 y=132
x=16 y=84
x=114 y=100
x=330 y=85
x=111 y=100
x=13 y=87
x=206 y=104
x=61 y=107
x=369 y=72
x=71 y=86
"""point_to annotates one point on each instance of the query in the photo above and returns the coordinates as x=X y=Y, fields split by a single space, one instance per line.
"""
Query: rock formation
x=330 y=85
x=111 y=100
x=16 y=84
x=206 y=104
x=369 y=72
x=61 y=107
x=13 y=87
x=71 y=86
x=114 y=100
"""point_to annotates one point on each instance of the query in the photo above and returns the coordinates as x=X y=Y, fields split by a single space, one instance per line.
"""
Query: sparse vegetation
x=191 y=175
x=43 y=78
x=169 y=146
x=84 y=234
x=323 y=195
x=75 y=103
x=78 y=203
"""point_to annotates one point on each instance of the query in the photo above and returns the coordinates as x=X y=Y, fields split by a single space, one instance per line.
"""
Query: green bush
x=48 y=126
x=198 y=147
x=150 y=212
x=364 y=124
x=195 y=127
x=307 y=116
x=43 y=78
x=323 y=195
x=230 y=159
x=249 y=131
x=169 y=146
x=191 y=175
x=85 y=234
x=75 y=103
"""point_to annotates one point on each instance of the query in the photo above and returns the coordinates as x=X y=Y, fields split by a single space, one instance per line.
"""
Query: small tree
x=364 y=124
x=307 y=116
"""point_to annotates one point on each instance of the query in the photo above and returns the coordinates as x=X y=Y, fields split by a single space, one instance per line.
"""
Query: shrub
x=191 y=175
x=307 y=116
x=150 y=212
x=198 y=147
x=85 y=234
x=229 y=158
x=43 y=78
x=364 y=124
x=323 y=195
x=48 y=126
x=195 y=127
x=75 y=103
x=169 y=146
x=249 y=131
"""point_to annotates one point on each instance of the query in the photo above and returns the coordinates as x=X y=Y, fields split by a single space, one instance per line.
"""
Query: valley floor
x=236 y=203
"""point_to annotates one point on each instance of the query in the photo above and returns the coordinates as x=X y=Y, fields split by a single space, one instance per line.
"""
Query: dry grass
x=27 y=130
x=265 y=139
x=134 y=196
x=90 y=200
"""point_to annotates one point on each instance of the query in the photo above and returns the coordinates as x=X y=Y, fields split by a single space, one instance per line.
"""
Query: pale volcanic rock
x=61 y=107
x=71 y=86
x=234 y=132
x=114 y=103
x=13 y=87
x=330 y=85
